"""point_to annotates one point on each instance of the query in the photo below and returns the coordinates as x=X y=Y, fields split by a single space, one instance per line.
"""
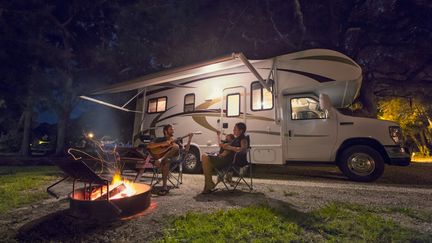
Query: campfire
x=119 y=188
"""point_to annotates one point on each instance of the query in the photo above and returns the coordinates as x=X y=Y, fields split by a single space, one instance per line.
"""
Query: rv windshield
x=304 y=108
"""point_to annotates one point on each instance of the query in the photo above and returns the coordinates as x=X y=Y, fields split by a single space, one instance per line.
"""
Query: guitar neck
x=180 y=138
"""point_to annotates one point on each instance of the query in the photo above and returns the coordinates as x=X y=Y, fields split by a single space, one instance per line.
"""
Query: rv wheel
x=192 y=163
x=361 y=163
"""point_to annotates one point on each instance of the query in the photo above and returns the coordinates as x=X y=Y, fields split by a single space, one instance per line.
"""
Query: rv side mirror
x=325 y=104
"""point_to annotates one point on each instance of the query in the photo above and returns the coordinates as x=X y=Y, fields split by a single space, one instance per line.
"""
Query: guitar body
x=159 y=152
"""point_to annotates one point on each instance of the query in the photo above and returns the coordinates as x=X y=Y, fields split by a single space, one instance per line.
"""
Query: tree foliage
x=52 y=42
x=414 y=118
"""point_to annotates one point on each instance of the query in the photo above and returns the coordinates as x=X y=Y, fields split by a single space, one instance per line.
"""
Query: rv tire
x=361 y=163
x=193 y=164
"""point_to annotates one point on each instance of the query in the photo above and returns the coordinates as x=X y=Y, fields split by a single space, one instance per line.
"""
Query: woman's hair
x=242 y=127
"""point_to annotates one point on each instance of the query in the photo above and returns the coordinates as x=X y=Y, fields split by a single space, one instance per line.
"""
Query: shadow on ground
x=60 y=225
x=416 y=174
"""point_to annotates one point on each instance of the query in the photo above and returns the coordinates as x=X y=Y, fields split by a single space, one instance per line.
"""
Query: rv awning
x=164 y=77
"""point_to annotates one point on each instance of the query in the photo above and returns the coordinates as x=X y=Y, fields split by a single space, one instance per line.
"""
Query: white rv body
x=294 y=128
x=267 y=127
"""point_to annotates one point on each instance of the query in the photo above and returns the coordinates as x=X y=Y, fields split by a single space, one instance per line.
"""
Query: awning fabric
x=218 y=64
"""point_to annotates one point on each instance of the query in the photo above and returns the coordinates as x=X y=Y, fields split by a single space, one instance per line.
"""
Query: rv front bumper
x=398 y=155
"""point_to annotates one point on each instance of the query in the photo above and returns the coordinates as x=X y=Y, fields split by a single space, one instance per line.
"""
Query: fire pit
x=84 y=204
x=100 y=199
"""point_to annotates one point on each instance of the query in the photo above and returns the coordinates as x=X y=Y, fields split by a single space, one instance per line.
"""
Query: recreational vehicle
x=290 y=104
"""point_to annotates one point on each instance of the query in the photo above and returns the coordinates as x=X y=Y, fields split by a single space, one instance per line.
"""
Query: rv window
x=305 y=108
x=233 y=105
x=261 y=98
x=189 y=103
x=157 y=105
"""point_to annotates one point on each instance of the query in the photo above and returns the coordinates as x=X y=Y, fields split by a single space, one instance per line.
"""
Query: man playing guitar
x=171 y=151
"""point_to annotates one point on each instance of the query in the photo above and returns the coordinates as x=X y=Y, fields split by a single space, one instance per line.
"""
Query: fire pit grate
x=98 y=199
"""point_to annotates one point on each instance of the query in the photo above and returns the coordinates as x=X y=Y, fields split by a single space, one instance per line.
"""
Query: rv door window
x=233 y=105
x=261 y=98
x=305 y=108
x=189 y=103
x=156 y=105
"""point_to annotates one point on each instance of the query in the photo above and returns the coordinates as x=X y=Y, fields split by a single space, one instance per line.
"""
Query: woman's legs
x=207 y=171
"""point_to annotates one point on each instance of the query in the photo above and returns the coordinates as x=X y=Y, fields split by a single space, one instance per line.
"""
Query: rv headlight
x=396 y=134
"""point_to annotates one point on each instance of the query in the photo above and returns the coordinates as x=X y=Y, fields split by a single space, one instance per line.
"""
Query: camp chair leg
x=181 y=173
x=241 y=178
x=155 y=177
x=226 y=186
x=221 y=175
x=138 y=175
x=250 y=174
x=174 y=181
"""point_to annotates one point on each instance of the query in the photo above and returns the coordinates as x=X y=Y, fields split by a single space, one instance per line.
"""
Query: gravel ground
x=295 y=188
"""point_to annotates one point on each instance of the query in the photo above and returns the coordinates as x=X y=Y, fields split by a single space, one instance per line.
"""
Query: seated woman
x=239 y=144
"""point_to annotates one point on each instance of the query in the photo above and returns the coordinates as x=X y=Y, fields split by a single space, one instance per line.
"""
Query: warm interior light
x=90 y=135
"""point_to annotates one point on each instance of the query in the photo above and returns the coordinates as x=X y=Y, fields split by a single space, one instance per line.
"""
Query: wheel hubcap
x=190 y=162
x=361 y=164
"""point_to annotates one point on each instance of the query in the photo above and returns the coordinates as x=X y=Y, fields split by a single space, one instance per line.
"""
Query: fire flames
x=127 y=192
x=119 y=188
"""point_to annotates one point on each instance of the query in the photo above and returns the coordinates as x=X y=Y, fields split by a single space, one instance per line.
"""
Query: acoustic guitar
x=158 y=152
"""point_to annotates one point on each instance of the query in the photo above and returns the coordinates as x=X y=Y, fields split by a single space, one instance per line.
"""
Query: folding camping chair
x=240 y=165
x=175 y=174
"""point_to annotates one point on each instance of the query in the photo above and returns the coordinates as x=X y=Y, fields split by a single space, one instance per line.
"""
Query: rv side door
x=309 y=135
x=233 y=107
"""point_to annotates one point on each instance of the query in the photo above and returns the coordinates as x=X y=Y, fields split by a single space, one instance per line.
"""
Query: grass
x=411 y=213
x=24 y=185
x=415 y=214
x=342 y=223
x=243 y=224
x=336 y=222
x=290 y=194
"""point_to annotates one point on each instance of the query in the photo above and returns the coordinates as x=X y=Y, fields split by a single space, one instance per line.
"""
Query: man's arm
x=189 y=141
x=160 y=143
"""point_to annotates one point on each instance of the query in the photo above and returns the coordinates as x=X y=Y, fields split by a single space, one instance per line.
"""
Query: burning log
x=113 y=192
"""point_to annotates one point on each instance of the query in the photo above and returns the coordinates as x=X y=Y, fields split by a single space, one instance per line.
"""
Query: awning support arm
x=107 y=104
x=272 y=70
x=253 y=70
x=138 y=93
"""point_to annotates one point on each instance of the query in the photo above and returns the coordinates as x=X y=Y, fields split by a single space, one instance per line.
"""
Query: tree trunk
x=369 y=100
x=61 y=132
x=25 y=148
x=416 y=141
x=425 y=149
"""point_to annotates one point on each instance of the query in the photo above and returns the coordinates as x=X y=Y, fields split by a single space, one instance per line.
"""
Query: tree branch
x=299 y=16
